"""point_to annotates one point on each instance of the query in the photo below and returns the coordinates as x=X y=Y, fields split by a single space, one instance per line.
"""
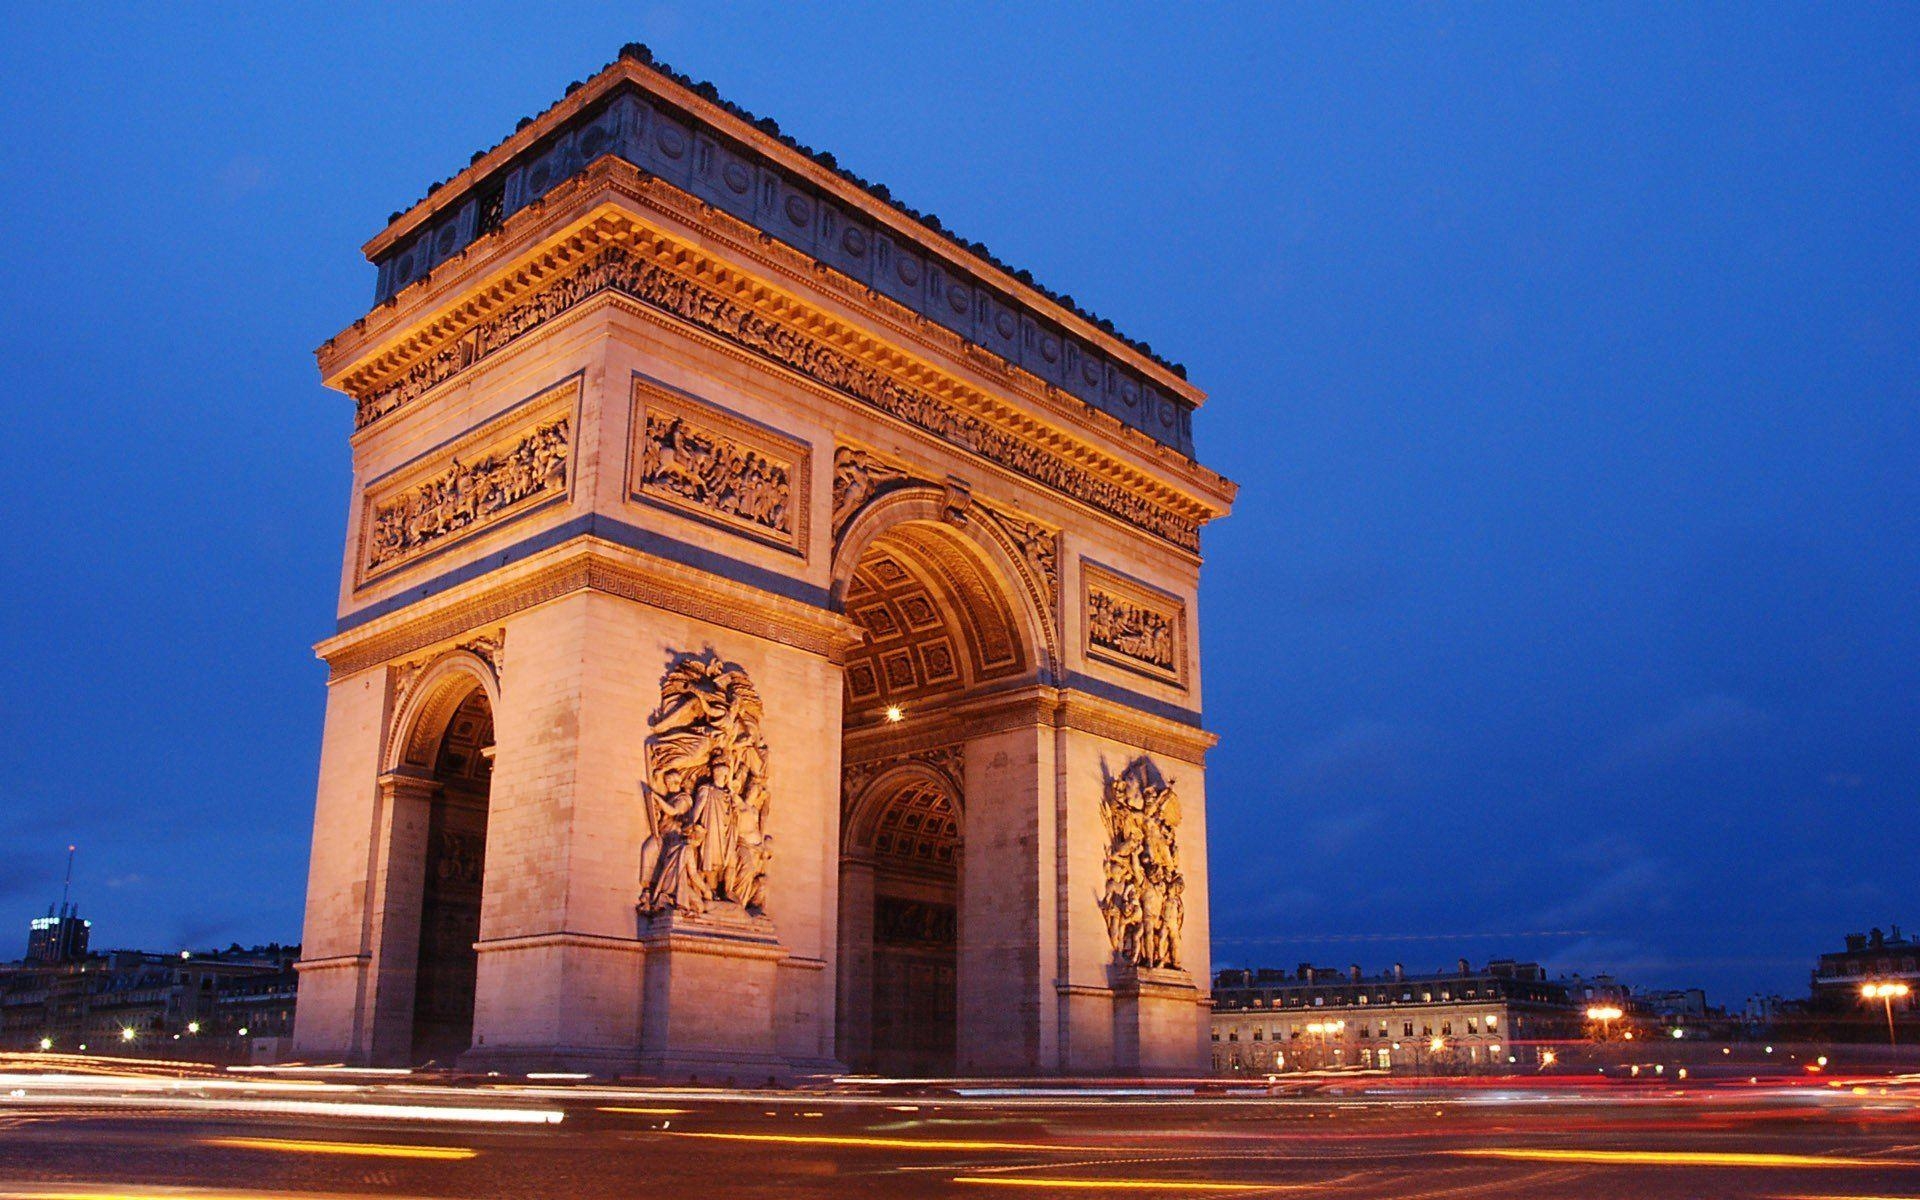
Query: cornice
x=653 y=84
x=1026 y=707
x=480 y=313
x=587 y=564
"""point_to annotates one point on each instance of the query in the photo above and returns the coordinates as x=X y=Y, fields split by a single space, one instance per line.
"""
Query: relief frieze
x=710 y=464
x=1133 y=625
x=617 y=269
x=492 y=477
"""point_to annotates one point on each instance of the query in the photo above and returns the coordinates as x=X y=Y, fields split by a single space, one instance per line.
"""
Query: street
x=101 y=1131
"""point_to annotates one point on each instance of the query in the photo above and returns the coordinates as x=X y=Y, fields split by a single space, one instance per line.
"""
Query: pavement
x=91 y=1128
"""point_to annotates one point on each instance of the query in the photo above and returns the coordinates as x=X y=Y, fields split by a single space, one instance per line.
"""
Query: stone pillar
x=1008 y=932
x=854 y=995
x=711 y=987
x=394 y=897
x=1156 y=1021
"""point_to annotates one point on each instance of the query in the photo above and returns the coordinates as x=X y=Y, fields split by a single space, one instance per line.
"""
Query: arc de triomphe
x=767 y=633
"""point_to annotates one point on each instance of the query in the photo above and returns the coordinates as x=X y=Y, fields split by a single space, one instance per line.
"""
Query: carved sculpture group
x=1143 y=898
x=466 y=494
x=713 y=472
x=706 y=792
x=1131 y=629
x=858 y=477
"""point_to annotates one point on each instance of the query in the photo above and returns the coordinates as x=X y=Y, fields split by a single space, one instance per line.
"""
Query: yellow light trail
x=362 y=1149
x=1158 y=1186
x=877 y=1143
x=645 y=1112
x=1676 y=1158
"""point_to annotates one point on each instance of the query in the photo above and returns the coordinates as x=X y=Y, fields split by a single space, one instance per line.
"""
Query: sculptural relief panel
x=706 y=792
x=1133 y=624
x=502 y=471
x=701 y=460
x=1143 y=897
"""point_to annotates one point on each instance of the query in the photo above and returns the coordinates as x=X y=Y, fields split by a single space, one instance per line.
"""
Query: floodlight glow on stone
x=895 y=714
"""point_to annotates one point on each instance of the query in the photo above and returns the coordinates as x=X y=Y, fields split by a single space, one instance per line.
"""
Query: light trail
x=877 y=1143
x=1156 y=1186
x=1674 y=1158
x=645 y=1112
x=354 y=1149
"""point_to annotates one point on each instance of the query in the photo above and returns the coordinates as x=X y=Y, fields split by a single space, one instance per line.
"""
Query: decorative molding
x=949 y=761
x=703 y=461
x=824 y=634
x=507 y=468
x=1038 y=548
x=859 y=477
x=1143 y=898
x=1119 y=724
x=618 y=269
x=404 y=677
x=1133 y=624
x=707 y=792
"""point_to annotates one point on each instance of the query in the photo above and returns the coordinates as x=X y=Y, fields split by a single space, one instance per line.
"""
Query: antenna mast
x=66 y=890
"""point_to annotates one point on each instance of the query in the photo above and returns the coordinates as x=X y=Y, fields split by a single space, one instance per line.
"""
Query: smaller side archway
x=437 y=789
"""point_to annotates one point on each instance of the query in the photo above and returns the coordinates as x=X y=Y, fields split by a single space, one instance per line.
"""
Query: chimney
x=1399 y=973
x=1464 y=968
x=1353 y=971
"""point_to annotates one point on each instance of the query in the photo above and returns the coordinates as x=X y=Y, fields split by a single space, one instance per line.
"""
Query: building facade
x=1503 y=1015
x=1836 y=1006
x=169 y=1004
x=767 y=638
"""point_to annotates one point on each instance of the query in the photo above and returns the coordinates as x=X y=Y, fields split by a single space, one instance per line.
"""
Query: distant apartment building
x=128 y=999
x=1838 y=1008
x=1495 y=1017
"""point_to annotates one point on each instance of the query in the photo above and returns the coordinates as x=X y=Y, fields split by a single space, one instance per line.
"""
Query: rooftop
x=682 y=131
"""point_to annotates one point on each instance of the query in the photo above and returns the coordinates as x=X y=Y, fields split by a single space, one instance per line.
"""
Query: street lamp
x=1885 y=993
x=127 y=1034
x=1606 y=1014
x=46 y=1043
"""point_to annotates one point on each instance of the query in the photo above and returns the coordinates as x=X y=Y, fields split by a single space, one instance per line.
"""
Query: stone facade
x=752 y=662
x=1490 y=1019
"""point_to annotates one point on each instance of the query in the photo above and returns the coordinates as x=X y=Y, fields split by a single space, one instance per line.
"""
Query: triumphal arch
x=767 y=634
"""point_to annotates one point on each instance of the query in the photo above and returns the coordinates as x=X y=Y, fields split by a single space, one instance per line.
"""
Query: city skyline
x=1566 y=610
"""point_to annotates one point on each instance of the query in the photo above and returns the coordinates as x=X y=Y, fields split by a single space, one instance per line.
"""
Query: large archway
x=943 y=629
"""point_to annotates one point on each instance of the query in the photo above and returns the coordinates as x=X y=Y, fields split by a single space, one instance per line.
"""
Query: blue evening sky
x=1566 y=356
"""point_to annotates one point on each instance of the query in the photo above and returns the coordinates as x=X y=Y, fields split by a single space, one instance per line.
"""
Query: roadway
x=94 y=1130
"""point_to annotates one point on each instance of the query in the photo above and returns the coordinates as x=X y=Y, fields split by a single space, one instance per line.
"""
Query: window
x=1446 y=1029
x=1384 y=1057
x=1426 y=1031
x=1216 y=1035
x=1473 y=1025
x=1493 y=1023
x=1409 y=1030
